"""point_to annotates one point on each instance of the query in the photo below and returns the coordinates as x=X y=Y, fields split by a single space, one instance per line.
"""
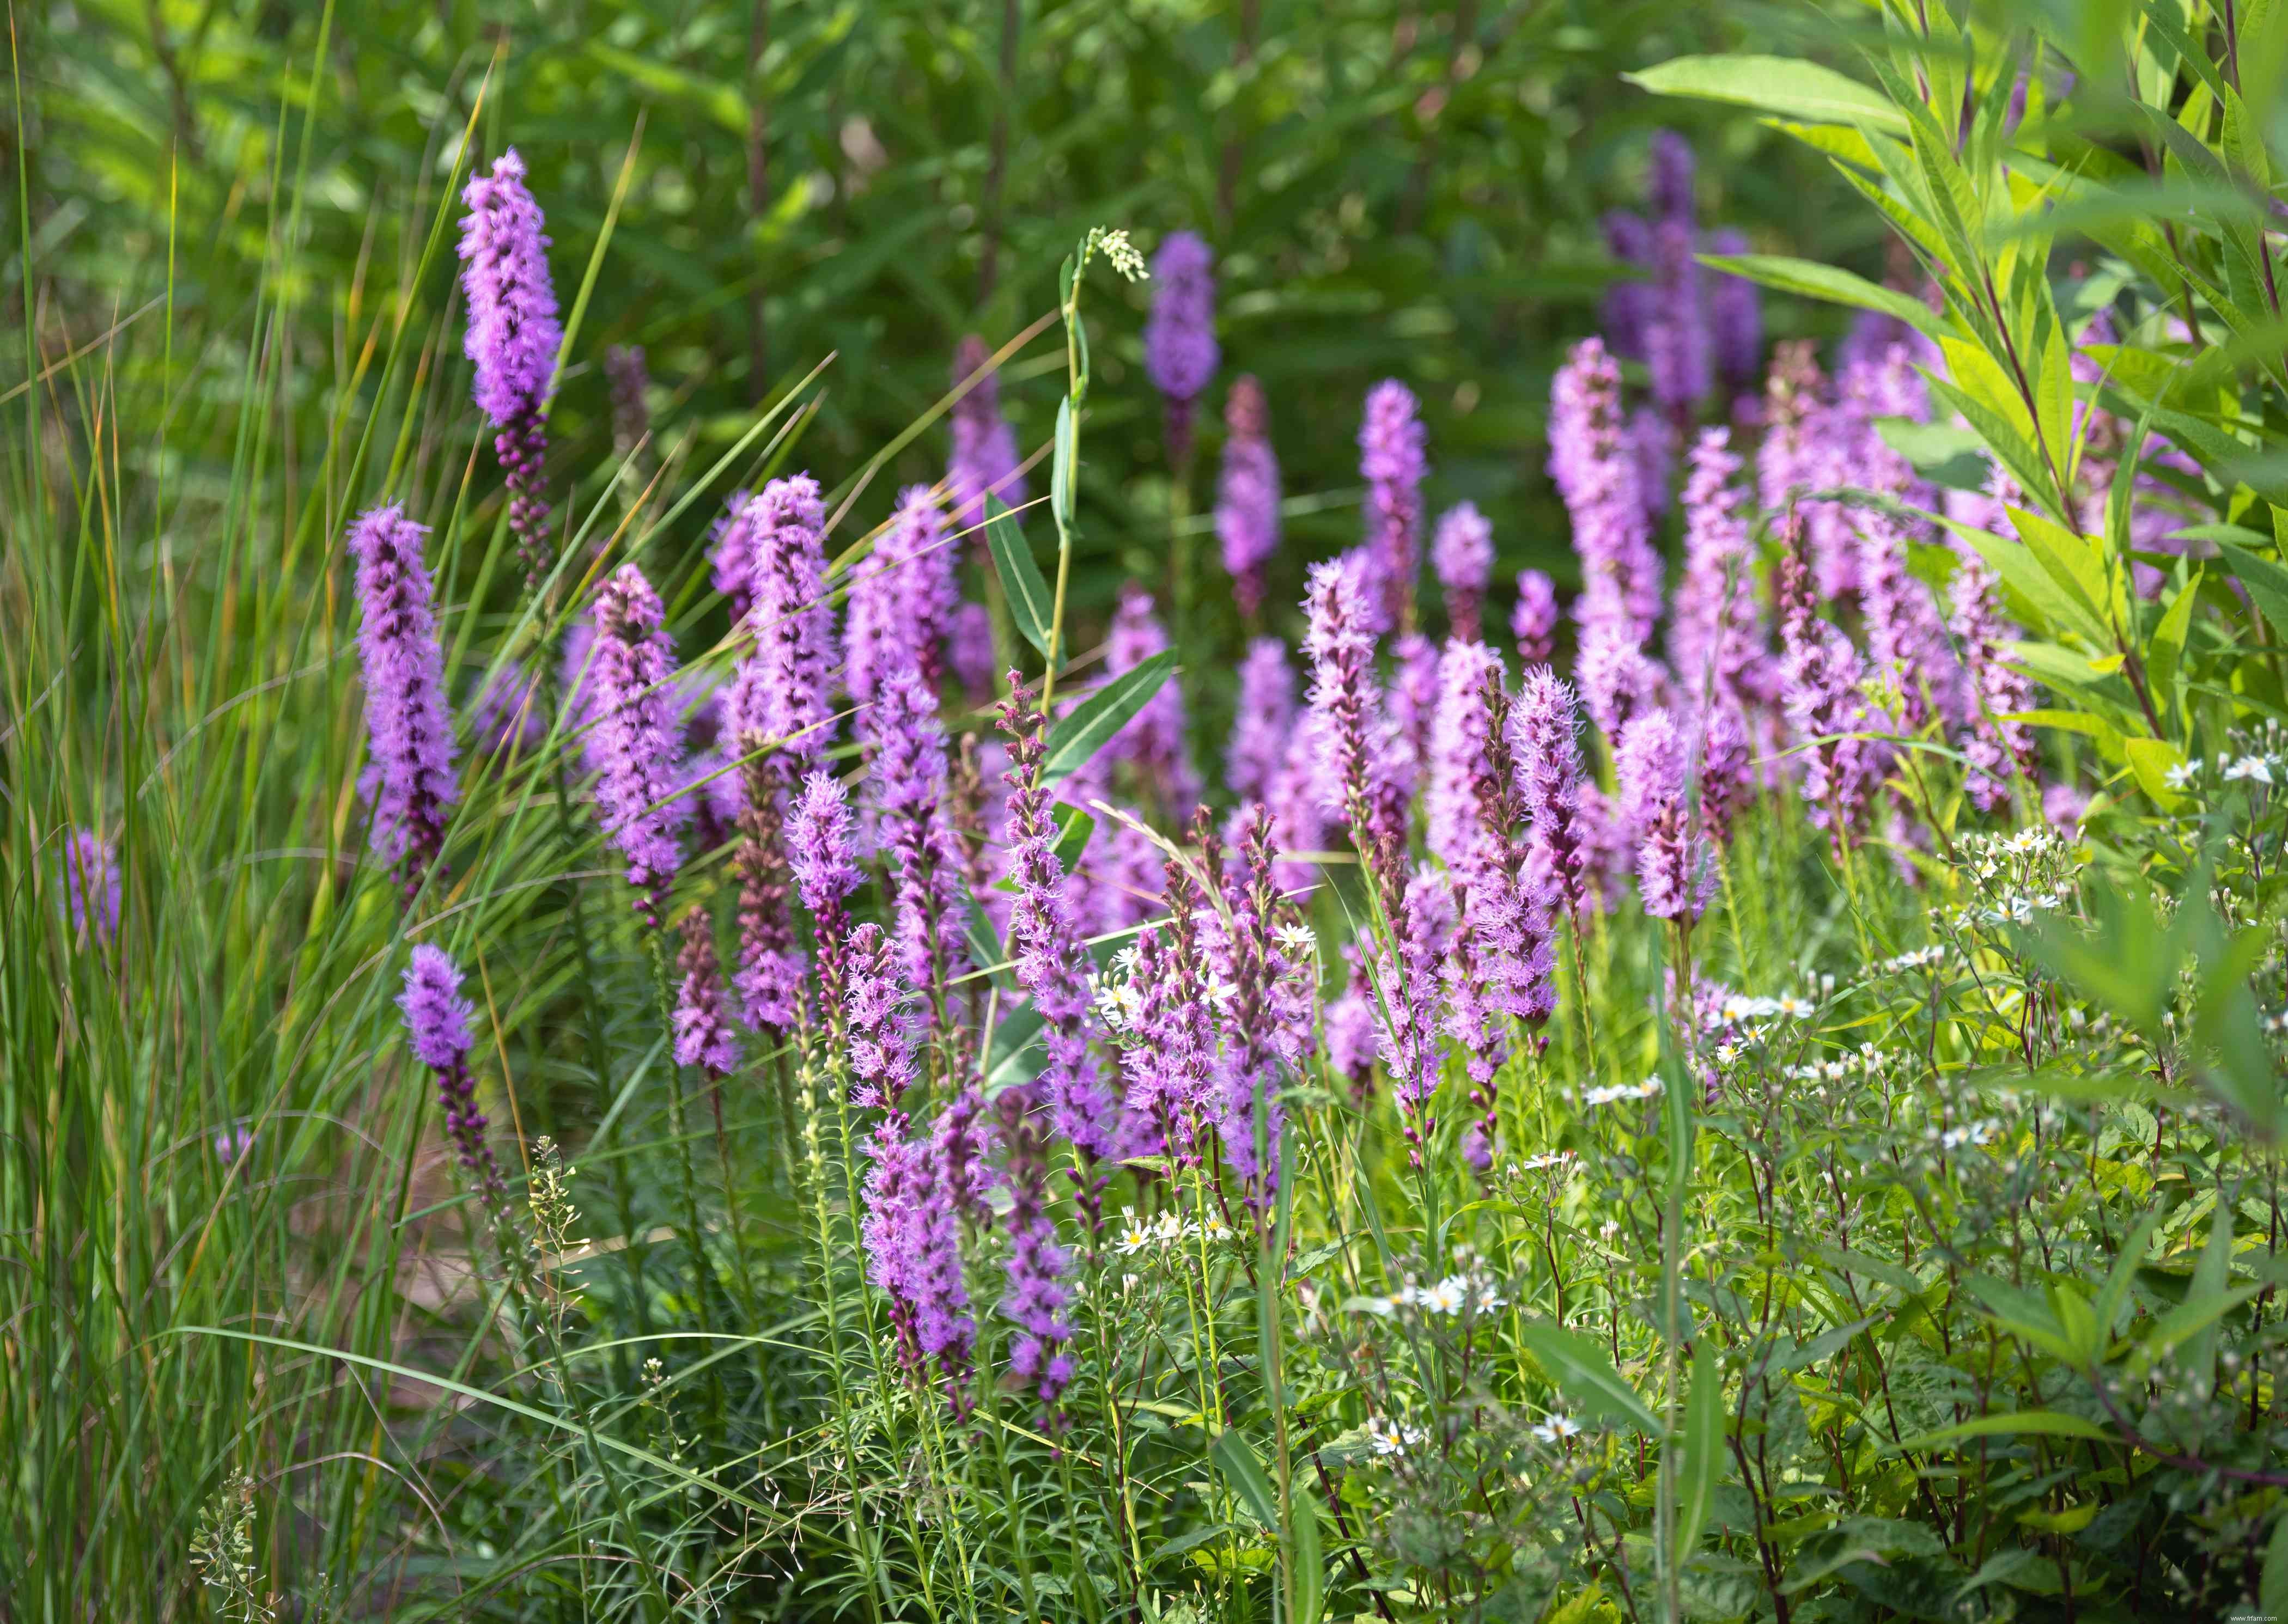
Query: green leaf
x=1306 y=1557
x=2149 y=760
x=1030 y=605
x=1584 y=1375
x=1062 y=469
x=1235 y=1458
x=2077 y=565
x=2266 y=583
x=2053 y=1423
x=1102 y=714
x=1074 y=827
x=2272 y=1591
x=1786 y=85
x=1831 y=283
x=2164 y=654
x=1702 y=1466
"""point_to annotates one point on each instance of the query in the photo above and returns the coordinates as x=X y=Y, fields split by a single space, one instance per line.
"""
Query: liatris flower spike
x=822 y=856
x=1179 y=341
x=1247 y=494
x=514 y=337
x=1462 y=552
x=636 y=741
x=1262 y=721
x=1341 y=644
x=91 y=888
x=902 y=599
x=408 y=725
x=984 y=448
x=907 y=777
x=1533 y=622
x=1673 y=875
x=780 y=694
x=702 y=1036
x=1392 y=463
x=437 y=1020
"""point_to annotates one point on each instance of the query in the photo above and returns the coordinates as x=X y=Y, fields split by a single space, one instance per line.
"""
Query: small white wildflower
x=1391 y=1438
x=2182 y=775
x=1447 y=1296
x=1557 y=1429
x=1792 y=1007
x=1486 y=1301
x=2253 y=769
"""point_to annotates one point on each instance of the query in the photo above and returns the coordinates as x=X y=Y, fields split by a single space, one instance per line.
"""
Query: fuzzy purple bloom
x=1544 y=728
x=1716 y=641
x=1668 y=182
x=512 y=338
x=1406 y=982
x=1341 y=644
x=92 y=884
x=1352 y=1038
x=903 y=598
x=1391 y=464
x=1262 y=721
x=1628 y=304
x=772 y=970
x=1533 y=622
x=984 y=448
x=702 y=1036
x=1598 y=479
x=1679 y=349
x=731 y=555
x=1673 y=875
x=1264 y=980
x=1459 y=739
x=780 y=692
x=635 y=744
x=1999 y=748
x=1735 y=318
x=1179 y=341
x=437 y=1022
x=907 y=774
x=1462 y=553
x=1247 y=493
x=408 y=725
x=1154 y=737
x=822 y=854
x=1297 y=802
x=969 y=648
x=1819 y=692
x=1049 y=959
x=1037 y=1296
x=1412 y=704
x=879 y=1031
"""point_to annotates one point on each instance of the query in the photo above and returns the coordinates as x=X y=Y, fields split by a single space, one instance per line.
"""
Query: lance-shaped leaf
x=1102 y=714
x=1584 y=1375
x=1786 y=85
x=1031 y=605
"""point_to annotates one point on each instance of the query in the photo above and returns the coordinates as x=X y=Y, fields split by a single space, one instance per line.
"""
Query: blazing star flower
x=623 y=366
x=1906 y=639
x=1819 y=691
x=1049 y=961
x=1673 y=875
x=1037 y=1296
x=512 y=338
x=1735 y=318
x=1678 y=346
x=635 y=744
x=702 y=1037
x=1789 y=458
x=437 y=1022
x=907 y=774
x=1391 y=464
x=1595 y=475
x=1997 y=747
x=1297 y=802
x=1262 y=721
x=1249 y=1116
x=902 y=599
x=984 y=448
x=780 y=694
x=1179 y=341
x=1353 y=1039
x=771 y=968
x=1154 y=737
x=821 y=855
x=92 y=885
x=1462 y=552
x=1717 y=642
x=1628 y=301
x=1534 y=621
x=880 y=1029
x=408 y=727
x=1459 y=739
x=1545 y=727
x=1247 y=493
x=1406 y=982
x=1341 y=644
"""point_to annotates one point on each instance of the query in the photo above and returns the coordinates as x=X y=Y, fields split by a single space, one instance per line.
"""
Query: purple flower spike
x=512 y=338
x=822 y=854
x=1247 y=494
x=1534 y=621
x=437 y=1021
x=702 y=1037
x=1179 y=341
x=1050 y=963
x=1154 y=738
x=1459 y=739
x=1628 y=304
x=1545 y=738
x=902 y=599
x=1717 y=641
x=1998 y=750
x=1037 y=1296
x=1589 y=459
x=1341 y=644
x=1406 y=986
x=984 y=448
x=771 y=967
x=1266 y=984
x=907 y=776
x=878 y=1021
x=635 y=745
x=1819 y=691
x=1669 y=183
x=780 y=694
x=91 y=887
x=731 y=555
x=1262 y=722
x=1392 y=463
x=1735 y=318
x=969 y=649
x=1462 y=552
x=1673 y=875
x=408 y=725
x=1678 y=345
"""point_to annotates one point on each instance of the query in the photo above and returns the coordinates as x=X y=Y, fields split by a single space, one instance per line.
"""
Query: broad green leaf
x=2164 y=654
x=1786 y=85
x=1062 y=471
x=2272 y=1591
x=1074 y=827
x=2012 y=447
x=1702 y=1465
x=2114 y=1295
x=1030 y=604
x=2151 y=760
x=1306 y=1554
x=2266 y=583
x=1075 y=738
x=2023 y=1315
x=2053 y=1423
x=1831 y=283
x=1851 y=146
x=2054 y=608
x=1236 y=1460
x=2077 y=566
x=1584 y=1375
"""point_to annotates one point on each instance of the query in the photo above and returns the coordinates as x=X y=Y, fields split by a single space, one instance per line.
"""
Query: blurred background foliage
x=1391 y=189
